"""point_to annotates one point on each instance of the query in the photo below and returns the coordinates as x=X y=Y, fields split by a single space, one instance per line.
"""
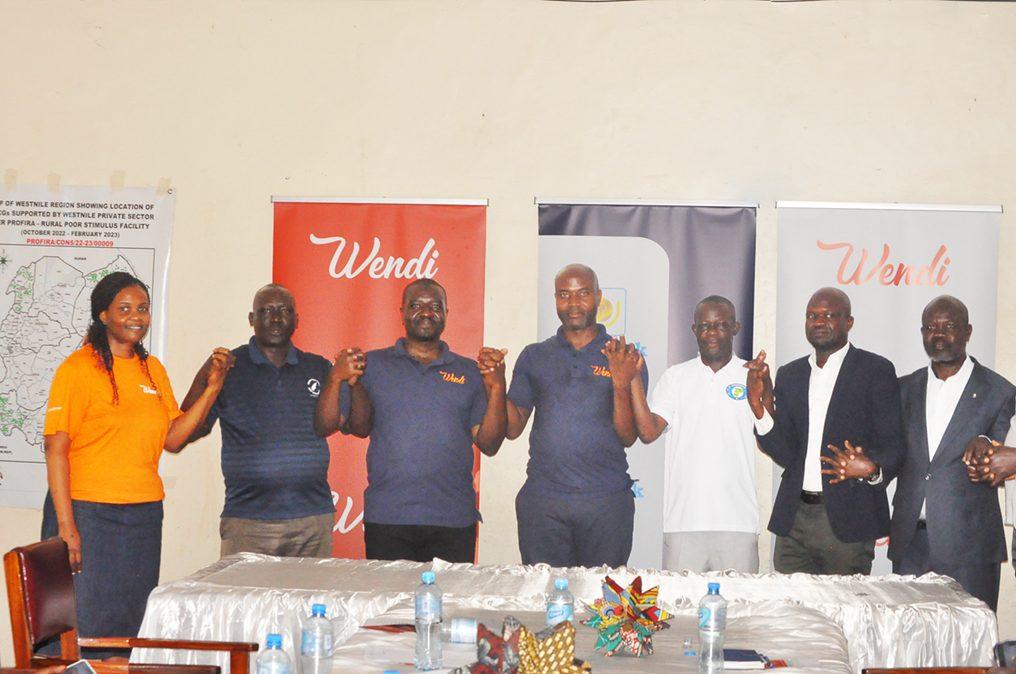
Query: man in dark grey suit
x=943 y=521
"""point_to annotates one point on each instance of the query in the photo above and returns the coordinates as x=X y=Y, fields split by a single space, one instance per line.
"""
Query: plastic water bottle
x=316 y=642
x=428 y=623
x=712 y=623
x=560 y=603
x=459 y=631
x=273 y=660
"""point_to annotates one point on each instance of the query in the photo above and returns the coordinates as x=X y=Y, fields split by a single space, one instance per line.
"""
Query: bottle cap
x=714 y=588
x=274 y=641
x=427 y=577
x=561 y=584
x=318 y=610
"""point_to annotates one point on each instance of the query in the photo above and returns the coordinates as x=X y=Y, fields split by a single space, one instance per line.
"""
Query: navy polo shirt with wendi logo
x=573 y=448
x=274 y=464
x=420 y=457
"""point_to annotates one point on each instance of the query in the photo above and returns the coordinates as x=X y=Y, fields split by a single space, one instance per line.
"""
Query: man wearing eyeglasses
x=946 y=517
x=275 y=466
x=838 y=408
x=701 y=405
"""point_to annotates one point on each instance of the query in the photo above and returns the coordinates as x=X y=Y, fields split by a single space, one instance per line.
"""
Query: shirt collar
x=734 y=362
x=595 y=345
x=835 y=359
x=443 y=358
x=259 y=358
x=962 y=375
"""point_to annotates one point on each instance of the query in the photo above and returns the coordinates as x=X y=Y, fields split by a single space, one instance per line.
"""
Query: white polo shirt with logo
x=709 y=483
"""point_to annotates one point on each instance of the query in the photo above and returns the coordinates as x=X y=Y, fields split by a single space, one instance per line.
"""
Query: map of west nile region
x=47 y=320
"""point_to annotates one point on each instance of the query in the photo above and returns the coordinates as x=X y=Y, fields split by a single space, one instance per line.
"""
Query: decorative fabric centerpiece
x=519 y=651
x=626 y=618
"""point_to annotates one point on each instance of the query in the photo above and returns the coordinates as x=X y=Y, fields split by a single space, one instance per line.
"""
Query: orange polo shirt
x=115 y=449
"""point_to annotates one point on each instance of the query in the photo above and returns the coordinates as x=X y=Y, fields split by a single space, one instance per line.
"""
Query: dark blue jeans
x=121 y=545
x=575 y=531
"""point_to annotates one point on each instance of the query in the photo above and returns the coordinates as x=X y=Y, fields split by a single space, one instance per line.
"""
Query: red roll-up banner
x=347 y=261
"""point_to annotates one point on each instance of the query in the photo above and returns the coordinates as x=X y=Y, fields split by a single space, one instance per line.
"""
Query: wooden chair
x=40 y=593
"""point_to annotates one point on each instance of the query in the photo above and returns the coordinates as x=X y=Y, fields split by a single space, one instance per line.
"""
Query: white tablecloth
x=808 y=640
x=888 y=621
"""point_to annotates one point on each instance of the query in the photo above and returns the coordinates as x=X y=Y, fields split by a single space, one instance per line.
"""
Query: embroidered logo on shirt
x=600 y=371
x=737 y=391
x=452 y=378
x=314 y=387
x=149 y=390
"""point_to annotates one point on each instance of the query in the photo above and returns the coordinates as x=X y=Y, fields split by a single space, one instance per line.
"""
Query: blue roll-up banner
x=655 y=261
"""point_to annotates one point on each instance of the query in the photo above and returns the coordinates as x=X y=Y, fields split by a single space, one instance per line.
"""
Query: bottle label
x=428 y=606
x=704 y=614
x=313 y=645
x=557 y=613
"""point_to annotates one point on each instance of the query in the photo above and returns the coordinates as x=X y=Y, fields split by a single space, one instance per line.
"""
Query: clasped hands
x=989 y=462
x=624 y=360
x=350 y=363
x=850 y=463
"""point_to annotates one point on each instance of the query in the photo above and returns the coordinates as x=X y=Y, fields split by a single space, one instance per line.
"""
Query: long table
x=885 y=621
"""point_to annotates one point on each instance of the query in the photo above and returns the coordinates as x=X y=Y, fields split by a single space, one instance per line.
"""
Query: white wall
x=235 y=101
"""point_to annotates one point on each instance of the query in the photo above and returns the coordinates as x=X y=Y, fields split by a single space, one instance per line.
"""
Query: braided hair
x=103 y=294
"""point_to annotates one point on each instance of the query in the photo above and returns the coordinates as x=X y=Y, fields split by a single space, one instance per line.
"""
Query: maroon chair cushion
x=48 y=587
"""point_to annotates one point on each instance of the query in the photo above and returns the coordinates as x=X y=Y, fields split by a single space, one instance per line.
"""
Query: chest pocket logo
x=314 y=387
x=737 y=391
x=148 y=389
x=600 y=371
x=452 y=378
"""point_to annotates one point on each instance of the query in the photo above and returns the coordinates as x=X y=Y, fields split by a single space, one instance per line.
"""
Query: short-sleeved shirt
x=275 y=466
x=710 y=451
x=114 y=447
x=420 y=457
x=574 y=450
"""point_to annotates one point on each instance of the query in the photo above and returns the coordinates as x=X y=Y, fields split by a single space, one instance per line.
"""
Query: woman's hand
x=219 y=365
x=72 y=538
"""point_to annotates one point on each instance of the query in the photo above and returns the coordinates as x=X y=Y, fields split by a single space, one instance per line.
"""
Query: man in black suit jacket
x=942 y=521
x=839 y=407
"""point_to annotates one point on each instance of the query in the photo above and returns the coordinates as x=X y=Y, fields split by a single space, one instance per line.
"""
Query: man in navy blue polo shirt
x=423 y=407
x=576 y=507
x=275 y=466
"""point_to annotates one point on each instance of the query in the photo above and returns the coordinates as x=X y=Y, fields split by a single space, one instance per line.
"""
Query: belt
x=812 y=497
x=922 y=524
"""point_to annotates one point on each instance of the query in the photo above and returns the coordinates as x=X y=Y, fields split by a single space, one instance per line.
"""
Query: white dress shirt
x=709 y=448
x=820 y=391
x=940 y=400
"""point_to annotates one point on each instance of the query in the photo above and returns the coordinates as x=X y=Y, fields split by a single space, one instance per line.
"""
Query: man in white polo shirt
x=710 y=513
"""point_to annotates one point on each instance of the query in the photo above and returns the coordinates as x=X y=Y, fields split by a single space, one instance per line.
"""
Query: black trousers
x=979 y=580
x=420 y=542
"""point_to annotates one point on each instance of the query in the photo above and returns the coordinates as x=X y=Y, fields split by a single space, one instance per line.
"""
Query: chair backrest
x=40 y=593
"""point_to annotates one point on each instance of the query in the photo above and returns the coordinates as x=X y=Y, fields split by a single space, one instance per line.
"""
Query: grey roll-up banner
x=891 y=260
x=655 y=261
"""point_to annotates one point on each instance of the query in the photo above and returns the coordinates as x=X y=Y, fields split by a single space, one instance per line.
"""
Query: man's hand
x=623 y=360
x=848 y=464
x=491 y=364
x=219 y=364
x=760 y=386
x=348 y=365
x=977 y=449
x=996 y=465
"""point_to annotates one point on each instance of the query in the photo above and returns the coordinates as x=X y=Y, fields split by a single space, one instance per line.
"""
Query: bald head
x=274 y=289
x=273 y=317
x=834 y=296
x=579 y=271
x=950 y=304
x=425 y=283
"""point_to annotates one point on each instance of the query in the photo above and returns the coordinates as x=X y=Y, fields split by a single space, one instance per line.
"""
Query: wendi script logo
x=860 y=271
x=348 y=264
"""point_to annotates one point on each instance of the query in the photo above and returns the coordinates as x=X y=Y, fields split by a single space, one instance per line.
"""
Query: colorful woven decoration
x=551 y=651
x=496 y=654
x=519 y=651
x=626 y=618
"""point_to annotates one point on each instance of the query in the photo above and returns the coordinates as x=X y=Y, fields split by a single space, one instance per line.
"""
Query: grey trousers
x=702 y=551
x=301 y=537
x=979 y=580
x=812 y=547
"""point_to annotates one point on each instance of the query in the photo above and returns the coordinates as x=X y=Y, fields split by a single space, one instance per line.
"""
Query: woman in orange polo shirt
x=111 y=413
